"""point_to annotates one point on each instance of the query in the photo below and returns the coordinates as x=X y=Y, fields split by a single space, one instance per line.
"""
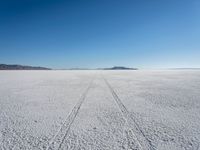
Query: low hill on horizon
x=21 y=67
x=120 y=68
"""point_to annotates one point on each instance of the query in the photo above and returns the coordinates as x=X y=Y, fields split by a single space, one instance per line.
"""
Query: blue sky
x=100 y=33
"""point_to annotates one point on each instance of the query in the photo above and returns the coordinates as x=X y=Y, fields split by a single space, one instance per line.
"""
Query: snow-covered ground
x=100 y=110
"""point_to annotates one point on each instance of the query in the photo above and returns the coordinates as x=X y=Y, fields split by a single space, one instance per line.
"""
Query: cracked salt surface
x=120 y=110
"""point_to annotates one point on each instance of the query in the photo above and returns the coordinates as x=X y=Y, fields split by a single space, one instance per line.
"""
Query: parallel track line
x=58 y=139
x=142 y=141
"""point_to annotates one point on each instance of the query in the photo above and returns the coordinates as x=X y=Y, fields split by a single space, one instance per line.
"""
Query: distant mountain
x=120 y=68
x=20 y=67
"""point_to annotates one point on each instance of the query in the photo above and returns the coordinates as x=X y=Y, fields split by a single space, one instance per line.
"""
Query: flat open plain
x=100 y=110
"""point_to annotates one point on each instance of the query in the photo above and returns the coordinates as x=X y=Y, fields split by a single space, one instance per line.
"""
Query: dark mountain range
x=21 y=67
x=120 y=68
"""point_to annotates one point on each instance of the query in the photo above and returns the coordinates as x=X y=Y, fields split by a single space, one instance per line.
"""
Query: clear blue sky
x=100 y=33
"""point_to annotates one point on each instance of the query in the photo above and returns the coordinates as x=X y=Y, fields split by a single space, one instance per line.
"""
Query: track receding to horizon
x=136 y=135
x=57 y=140
x=100 y=110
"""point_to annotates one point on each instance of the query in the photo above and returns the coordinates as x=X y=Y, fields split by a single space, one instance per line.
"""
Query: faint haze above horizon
x=100 y=33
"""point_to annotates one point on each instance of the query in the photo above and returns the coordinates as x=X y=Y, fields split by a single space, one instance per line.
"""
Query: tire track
x=58 y=139
x=135 y=136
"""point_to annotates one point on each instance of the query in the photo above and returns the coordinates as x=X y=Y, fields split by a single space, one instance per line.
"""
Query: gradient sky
x=100 y=33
